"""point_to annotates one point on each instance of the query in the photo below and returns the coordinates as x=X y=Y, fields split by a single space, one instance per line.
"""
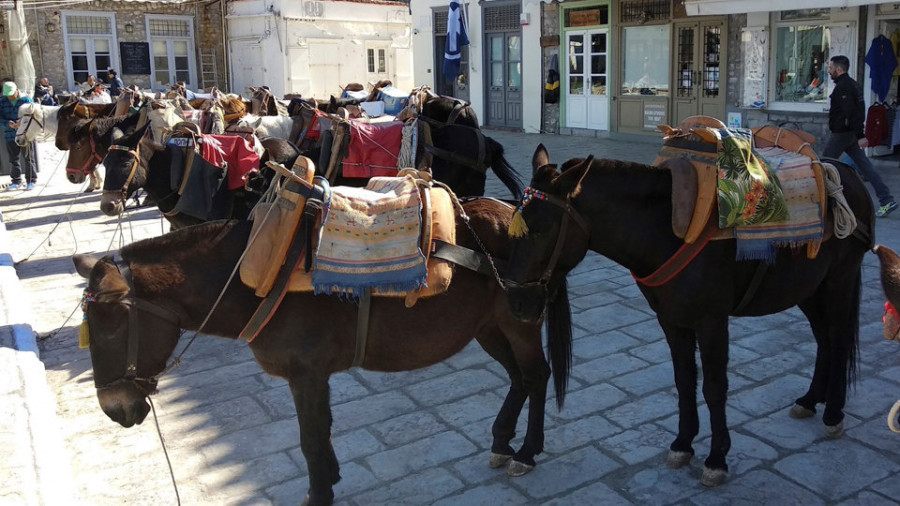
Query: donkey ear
x=540 y=158
x=84 y=264
x=117 y=133
x=569 y=181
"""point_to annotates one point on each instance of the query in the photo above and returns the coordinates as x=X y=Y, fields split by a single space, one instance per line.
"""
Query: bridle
x=134 y=303
x=31 y=119
x=94 y=156
x=135 y=162
x=571 y=214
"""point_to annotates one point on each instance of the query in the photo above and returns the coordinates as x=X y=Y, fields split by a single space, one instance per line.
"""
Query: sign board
x=654 y=114
x=135 y=57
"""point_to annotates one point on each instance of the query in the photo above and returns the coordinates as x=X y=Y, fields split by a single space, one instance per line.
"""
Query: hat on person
x=9 y=89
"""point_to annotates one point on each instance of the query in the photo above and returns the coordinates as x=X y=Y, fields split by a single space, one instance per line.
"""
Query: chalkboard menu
x=135 y=57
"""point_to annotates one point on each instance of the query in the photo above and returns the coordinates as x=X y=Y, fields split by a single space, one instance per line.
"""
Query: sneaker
x=14 y=186
x=886 y=209
x=30 y=186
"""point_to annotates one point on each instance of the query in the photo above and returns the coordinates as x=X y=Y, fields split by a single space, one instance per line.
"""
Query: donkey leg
x=504 y=428
x=681 y=346
x=805 y=406
x=713 y=342
x=311 y=400
x=535 y=373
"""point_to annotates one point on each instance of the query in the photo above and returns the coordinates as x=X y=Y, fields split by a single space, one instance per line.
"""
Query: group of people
x=13 y=98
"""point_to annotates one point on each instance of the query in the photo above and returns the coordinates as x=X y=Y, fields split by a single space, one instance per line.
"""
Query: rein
x=571 y=214
x=31 y=119
x=135 y=162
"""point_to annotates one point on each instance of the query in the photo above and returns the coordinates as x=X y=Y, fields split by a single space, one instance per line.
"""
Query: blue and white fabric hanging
x=456 y=39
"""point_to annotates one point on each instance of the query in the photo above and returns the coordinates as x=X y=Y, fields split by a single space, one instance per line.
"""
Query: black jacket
x=848 y=107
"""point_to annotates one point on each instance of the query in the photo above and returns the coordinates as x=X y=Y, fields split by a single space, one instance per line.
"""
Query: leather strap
x=464 y=257
x=674 y=265
x=362 y=328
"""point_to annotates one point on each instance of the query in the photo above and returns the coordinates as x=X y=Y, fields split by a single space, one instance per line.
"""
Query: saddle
x=690 y=152
x=275 y=225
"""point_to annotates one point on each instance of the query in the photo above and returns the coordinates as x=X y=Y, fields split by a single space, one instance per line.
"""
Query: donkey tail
x=504 y=171
x=559 y=341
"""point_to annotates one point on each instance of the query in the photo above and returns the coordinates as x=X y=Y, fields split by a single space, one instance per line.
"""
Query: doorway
x=503 y=64
x=698 y=83
x=587 y=101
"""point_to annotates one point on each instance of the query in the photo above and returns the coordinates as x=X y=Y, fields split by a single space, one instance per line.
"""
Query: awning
x=713 y=7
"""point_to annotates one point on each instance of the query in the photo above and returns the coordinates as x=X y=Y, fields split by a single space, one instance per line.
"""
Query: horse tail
x=504 y=171
x=559 y=341
x=853 y=344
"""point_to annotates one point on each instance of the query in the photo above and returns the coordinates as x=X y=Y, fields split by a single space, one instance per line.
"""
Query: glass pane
x=515 y=75
x=160 y=48
x=598 y=85
x=162 y=78
x=576 y=44
x=370 y=57
x=101 y=45
x=514 y=48
x=800 y=69
x=88 y=24
x=183 y=76
x=497 y=74
x=646 y=60
x=161 y=62
x=381 y=63
x=598 y=43
x=169 y=28
x=180 y=47
x=576 y=64
x=79 y=62
x=576 y=85
x=598 y=64
x=181 y=63
x=497 y=48
x=102 y=61
x=78 y=45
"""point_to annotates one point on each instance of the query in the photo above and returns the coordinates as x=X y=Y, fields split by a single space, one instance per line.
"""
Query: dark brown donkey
x=137 y=305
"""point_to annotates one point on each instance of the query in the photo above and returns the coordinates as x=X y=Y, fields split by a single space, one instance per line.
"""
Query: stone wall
x=48 y=50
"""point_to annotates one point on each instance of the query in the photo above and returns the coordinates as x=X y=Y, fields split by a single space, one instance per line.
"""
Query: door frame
x=705 y=71
x=564 y=30
x=590 y=102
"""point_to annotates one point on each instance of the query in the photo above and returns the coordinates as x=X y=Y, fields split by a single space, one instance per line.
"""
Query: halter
x=31 y=119
x=94 y=156
x=134 y=303
x=135 y=161
x=571 y=214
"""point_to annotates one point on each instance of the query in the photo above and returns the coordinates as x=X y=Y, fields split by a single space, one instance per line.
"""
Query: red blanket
x=374 y=149
x=233 y=150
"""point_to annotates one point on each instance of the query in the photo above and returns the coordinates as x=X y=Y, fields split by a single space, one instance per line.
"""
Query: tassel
x=518 y=227
x=84 y=335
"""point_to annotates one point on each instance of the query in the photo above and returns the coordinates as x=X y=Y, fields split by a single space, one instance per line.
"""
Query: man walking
x=845 y=120
x=9 y=122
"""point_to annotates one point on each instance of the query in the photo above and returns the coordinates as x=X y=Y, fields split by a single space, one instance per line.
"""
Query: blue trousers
x=845 y=142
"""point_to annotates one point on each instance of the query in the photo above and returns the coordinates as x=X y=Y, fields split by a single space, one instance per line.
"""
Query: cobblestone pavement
x=423 y=437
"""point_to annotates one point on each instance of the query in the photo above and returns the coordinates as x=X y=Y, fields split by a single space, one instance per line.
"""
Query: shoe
x=30 y=186
x=14 y=186
x=886 y=209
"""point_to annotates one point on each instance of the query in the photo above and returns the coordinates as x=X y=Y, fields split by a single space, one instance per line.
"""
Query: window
x=89 y=41
x=801 y=69
x=646 y=61
x=171 y=47
x=377 y=61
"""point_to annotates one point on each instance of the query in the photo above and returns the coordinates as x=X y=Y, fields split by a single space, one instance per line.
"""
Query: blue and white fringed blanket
x=370 y=239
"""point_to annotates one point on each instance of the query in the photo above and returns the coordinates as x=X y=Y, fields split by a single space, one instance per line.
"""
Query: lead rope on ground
x=162 y=442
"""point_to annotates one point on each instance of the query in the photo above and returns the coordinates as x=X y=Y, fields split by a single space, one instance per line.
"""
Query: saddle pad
x=233 y=150
x=374 y=149
x=370 y=239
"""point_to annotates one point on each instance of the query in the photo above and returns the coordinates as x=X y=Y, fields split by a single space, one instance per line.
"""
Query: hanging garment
x=882 y=61
x=876 y=124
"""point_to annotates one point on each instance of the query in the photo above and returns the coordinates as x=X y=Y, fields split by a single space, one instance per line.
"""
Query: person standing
x=115 y=83
x=845 y=121
x=9 y=122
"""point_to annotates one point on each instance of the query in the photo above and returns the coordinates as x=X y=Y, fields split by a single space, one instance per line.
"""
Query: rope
x=844 y=219
x=405 y=159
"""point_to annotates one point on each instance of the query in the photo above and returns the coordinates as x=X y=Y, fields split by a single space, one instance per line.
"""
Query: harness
x=85 y=169
x=135 y=161
x=31 y=119
x=134 y=303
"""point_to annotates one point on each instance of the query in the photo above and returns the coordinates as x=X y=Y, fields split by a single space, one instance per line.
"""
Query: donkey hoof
x=516 y=469
x=834 y=431
x=497 y=460
x=677 y=460
x=713 y=477
x=798 y=411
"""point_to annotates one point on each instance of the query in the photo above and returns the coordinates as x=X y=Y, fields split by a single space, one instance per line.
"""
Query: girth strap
x=677 y=262
x=362 y=328
x=464 y=257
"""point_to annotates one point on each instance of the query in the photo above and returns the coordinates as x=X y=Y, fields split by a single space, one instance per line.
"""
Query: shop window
x=801 y=68
x=646 y=60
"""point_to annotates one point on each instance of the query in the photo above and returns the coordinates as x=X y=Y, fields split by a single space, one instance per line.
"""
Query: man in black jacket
x=845 y=120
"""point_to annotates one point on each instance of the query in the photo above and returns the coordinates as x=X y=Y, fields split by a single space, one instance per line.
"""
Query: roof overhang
x=719 y=7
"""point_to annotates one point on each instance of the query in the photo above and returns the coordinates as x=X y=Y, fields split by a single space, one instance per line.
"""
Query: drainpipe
x=225 y=48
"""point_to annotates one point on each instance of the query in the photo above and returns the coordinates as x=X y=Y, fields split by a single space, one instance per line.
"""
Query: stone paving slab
x=423 y=437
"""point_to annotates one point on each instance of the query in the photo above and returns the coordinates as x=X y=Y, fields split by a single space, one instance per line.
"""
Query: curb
x=44 y=474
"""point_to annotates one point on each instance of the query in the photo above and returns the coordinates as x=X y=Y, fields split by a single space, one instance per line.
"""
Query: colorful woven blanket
x=769 y=195
x=370 y=239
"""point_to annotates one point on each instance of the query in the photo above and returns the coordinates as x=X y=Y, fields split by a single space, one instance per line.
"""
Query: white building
x=313 y=48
